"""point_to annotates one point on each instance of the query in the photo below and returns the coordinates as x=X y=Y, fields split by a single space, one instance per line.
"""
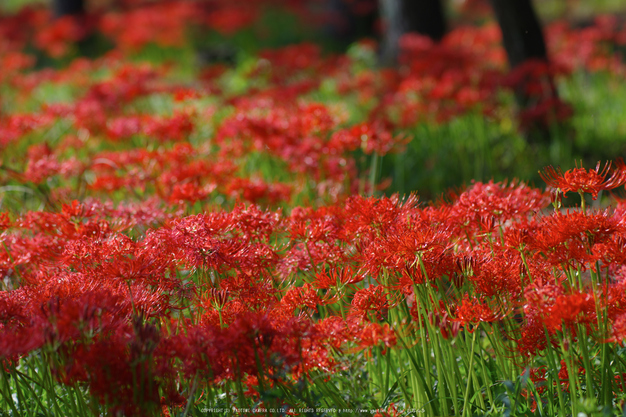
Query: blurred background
x=481 y=89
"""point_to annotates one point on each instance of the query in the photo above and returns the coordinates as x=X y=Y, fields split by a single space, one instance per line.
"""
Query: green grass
x=12 y=6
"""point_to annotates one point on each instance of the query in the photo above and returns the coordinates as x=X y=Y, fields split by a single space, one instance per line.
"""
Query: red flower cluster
x=591 y=181
x=150 y=250
x=102 y=300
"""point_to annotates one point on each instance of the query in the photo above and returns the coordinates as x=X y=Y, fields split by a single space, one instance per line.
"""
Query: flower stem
x=469 y=376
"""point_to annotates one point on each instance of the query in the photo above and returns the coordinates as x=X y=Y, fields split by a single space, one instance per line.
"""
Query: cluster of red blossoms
x=435 y=82
x=155 y=233
x=211 y=295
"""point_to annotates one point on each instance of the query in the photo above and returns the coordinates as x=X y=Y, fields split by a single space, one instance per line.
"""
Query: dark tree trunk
x=535 y=91
x=351 y=21
x=425 y=17
x=521 y=30
x=68 y=7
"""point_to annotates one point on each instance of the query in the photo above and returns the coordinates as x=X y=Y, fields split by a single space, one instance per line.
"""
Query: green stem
x=374 y=167
x=555 y=370
x=470 y=376
x=582 y=202
x=6 y=391
x=582 y=340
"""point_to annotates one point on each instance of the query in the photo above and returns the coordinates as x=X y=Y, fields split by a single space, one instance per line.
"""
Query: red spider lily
x=585 y=48
x=118 y=259
x=15 y=126
x=337 y=277
x=422 y=249
x=63 y=310
x=613 y=300
x=175 y=128
x=540 y=296
x=18 y=342
x=123 y=128
x=14 y=63
x=474 y=312
x=198 y=350
x=249 y=341
x=14 y=315
x=497 y=272
x=545 y=113
x=293 y=59
x=163 y=24
x=75 y=281
x=5 y=221
x=441 y=319
x=126 y=84
x=255 y=292
x=295 y=134
x=370 y=137
x=305 y=256
x=229 y=20
x=532 y=339
x=24 y=256
x=591 y=181
x=573 y=236
x=74 y=221
x=371 y=300
x=41 y=164
x=335 y=331
x=569 y=310
x=205 y=241
x=618 y=333
x=377 y=216
x=498 y=201
x=162 y=170
x=373 y=334
x=298 y=298
x=118 y=369
x=256 y=190
x=56 y=38
x=190 y=193
x=255 y=224
x=539 y=377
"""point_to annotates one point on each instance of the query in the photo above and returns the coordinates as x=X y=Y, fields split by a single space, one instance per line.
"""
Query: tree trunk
x=425 y=17
x=68 y=7
x=535 y=90
x=351 y=21
x=521 y=30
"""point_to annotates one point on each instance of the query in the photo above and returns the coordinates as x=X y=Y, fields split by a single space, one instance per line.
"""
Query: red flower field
x=195 y=239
